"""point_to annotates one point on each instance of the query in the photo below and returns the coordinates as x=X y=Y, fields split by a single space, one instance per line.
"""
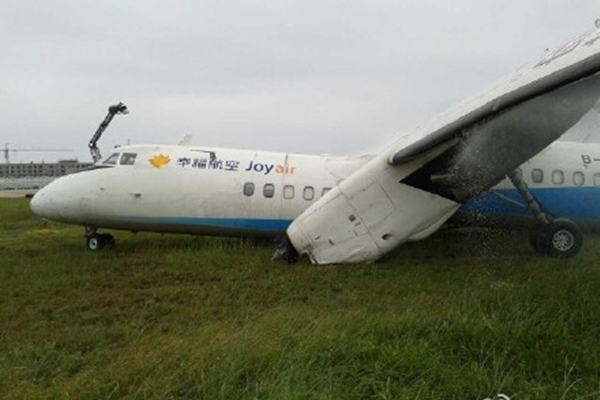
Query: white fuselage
x=188 y=194
x=180 y=189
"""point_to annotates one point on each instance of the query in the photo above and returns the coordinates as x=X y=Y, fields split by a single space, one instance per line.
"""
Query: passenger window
x=269 y=190
x=128 y=158
x=248 y=188
x=288 y=192
x=325 y=190
x=537 y=176
x=578 y=178
x=112 y=160
x=558 y=177
x=596 y=179
x=309 y=193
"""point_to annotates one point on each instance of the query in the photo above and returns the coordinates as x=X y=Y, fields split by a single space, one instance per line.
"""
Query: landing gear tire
x=109 y=240
x=98 y=242
x=95 y=242
x=559 y=239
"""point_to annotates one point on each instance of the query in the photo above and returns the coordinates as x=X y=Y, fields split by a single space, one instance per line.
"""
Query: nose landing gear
x=553 y=237
x=98 y=241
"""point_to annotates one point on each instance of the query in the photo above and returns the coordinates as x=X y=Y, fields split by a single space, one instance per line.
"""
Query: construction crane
x=7 y=150
x=112 y=111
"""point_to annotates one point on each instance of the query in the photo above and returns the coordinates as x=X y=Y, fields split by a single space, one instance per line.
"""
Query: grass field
x=462 y=315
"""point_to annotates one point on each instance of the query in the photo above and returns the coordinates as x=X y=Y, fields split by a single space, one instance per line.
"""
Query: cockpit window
x=112 y=160
x=128 y=158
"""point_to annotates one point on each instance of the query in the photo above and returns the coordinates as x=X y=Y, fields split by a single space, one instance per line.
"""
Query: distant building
x=36 y=175
x=63 y=167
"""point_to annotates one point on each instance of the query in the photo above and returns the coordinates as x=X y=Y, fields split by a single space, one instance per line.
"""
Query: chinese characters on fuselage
x=234 y=165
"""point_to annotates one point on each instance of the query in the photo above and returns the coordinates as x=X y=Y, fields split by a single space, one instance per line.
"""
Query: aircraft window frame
x=128 y=159
x=113 y=159
x=269 y=190
x=324 y=191
x=288 y=192
x=248 y=189
x=597 y=179
x=306 y=191
x=581 y=180
x=537 y=175
x=558 y=177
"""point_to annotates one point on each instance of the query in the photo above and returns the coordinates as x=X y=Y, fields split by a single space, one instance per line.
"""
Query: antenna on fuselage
x=211 y=154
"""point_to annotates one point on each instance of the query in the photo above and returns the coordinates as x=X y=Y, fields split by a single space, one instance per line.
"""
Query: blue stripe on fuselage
x=232 y=223
x=581 y=203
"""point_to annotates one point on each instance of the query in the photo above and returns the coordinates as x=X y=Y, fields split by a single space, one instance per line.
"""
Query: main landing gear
x=553 y=237
x=98 y=241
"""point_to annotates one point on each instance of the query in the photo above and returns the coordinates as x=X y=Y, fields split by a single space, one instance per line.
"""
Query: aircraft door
x=118 y=190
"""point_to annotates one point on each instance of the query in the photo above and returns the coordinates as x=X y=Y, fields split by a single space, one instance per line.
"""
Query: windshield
x=127 y=159
x=112 y=160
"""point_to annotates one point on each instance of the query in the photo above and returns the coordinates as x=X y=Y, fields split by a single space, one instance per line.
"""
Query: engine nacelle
x=369 y=214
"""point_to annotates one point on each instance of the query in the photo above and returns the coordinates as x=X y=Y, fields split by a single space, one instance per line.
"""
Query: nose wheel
x=99 y=241
x=553 y=237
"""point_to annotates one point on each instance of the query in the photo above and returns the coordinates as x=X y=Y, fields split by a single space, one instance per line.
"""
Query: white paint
x=134 y=197
x=122 y=197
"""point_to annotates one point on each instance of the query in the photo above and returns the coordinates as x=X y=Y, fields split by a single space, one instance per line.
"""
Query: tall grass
x=462 y=315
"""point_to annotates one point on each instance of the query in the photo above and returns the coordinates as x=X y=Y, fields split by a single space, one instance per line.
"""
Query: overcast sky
x=317 y=76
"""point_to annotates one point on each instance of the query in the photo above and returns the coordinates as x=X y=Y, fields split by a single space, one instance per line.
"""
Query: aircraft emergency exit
x=356 y=209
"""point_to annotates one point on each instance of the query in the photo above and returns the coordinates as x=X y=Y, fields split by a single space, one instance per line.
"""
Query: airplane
x=250 y=193
x=356 y=209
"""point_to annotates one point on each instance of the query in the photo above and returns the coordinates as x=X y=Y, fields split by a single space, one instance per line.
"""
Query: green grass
x=462 y=315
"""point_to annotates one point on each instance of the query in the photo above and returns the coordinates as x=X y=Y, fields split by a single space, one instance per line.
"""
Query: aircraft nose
x=42 y=204
x=60 y=199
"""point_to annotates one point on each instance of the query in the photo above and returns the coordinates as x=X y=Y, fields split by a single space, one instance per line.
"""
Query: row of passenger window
x=289 y=191
x=558 y=177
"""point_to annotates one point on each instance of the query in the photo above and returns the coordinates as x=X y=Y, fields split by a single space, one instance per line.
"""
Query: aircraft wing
x=409 y=190
x=576 y=59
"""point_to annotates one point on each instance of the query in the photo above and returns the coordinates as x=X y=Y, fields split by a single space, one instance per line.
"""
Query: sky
x=309 y=76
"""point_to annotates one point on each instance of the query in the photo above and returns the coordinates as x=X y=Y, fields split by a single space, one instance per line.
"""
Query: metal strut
x=112 y=110
x=532 y=203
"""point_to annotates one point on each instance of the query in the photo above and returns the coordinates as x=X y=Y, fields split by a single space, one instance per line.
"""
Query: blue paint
x=259 y=167
x=232 y=223
x=579 y=203
x=582 y=203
